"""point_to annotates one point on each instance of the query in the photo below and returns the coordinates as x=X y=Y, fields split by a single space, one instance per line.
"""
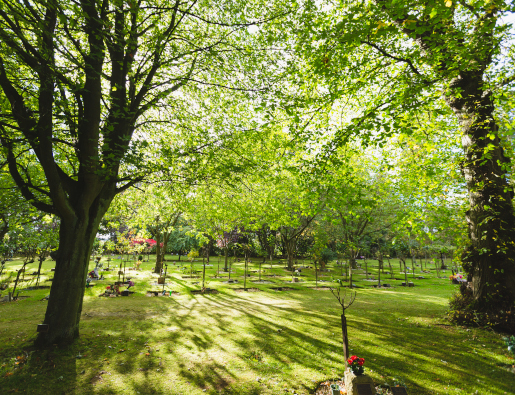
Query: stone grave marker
x=364 y=389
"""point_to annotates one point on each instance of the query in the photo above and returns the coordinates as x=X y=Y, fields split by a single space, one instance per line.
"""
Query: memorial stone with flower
x=355 y=375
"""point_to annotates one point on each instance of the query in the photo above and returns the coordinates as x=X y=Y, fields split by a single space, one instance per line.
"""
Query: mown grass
x=235 y=342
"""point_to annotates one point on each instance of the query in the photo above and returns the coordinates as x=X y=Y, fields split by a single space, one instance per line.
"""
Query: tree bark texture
x=490 y=258
x=159 y=256
x=66 y=294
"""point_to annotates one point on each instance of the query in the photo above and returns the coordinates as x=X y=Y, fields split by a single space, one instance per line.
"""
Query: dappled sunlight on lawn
x=266 y=342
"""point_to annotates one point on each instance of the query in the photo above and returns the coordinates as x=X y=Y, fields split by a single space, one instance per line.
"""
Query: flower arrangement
x=356 y=365
x=457 y=278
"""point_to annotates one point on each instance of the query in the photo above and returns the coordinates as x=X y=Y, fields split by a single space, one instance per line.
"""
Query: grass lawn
x=237 y=342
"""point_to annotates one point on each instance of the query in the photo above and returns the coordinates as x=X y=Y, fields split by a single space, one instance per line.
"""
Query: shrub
x=328 y=255
x=463 y=310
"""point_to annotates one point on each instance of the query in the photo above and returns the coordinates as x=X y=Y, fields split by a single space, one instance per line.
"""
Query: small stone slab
x=206 y=291
x=364 y=389
x=38 y=287
x=398 y=391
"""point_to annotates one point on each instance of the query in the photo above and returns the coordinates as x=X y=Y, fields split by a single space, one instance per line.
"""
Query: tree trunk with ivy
x=489 y=260
x=460 y=59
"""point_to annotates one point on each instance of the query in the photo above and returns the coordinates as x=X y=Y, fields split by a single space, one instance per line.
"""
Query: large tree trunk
x=226 y=268
x=290 y=251
x=352 y=258
x=161 y=252
x=490 y=258
x=64 y=308
x=3 y=230
x=209 y=245
x=159 y=255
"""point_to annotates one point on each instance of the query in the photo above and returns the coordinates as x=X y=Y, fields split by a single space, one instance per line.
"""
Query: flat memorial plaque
x=364 y=389
x=398 y=391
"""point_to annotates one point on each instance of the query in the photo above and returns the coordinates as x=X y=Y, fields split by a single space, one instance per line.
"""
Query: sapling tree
x=317 y=249
x=390 y=266
x=341 y=300
x=191 y=256
x=125 y=247
x=22 y=270
x=261 y=252
x=48 y=235
x=267 y=240
x=226 y=241
x=380 y=265
x=16 y=214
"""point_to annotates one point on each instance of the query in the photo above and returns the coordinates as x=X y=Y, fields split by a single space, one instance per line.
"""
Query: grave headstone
x=352 y=382
x=398 y=391
x=364 y=389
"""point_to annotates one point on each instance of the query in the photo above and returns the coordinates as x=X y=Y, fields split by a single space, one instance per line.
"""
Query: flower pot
x=335 y=388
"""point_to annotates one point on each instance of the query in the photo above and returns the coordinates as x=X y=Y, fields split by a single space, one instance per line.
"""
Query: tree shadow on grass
x=49 y=371
x=396 y=345
x=393 y=344
x=229 y=341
